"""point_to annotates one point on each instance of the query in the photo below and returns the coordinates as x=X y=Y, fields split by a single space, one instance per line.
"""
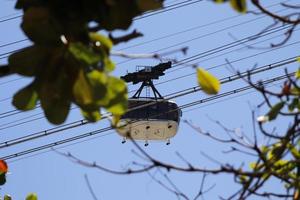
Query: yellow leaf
x=297 y=74
x=115 y=120
x=239 y=5
x=219 y=1
x=82 y=91
x=98 y=84
x=32 y=196
x=91 y=115
x=298 y=59
x=209 y=83
x=101 y=39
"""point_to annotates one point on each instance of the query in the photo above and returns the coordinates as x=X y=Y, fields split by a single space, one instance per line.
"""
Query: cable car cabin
x=150 y=119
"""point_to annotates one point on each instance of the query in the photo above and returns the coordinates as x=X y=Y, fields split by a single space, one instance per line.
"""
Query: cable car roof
x=147 y=74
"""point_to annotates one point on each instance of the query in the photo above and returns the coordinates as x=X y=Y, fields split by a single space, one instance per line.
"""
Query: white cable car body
x=149 y=118
x=157 y=119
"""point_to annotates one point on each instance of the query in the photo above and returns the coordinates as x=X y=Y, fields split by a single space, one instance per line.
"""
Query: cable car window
x=160 y=110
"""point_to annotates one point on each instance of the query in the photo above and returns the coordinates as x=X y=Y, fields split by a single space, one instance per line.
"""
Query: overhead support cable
x=4 y=55
x=96 y=132
x=178 y=94
x=185 y=61
x=148 y=14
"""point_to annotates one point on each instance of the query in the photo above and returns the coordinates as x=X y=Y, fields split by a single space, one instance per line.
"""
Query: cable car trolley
x=149 y=118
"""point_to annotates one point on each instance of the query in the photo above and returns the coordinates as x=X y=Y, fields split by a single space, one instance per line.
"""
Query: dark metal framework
x=156 y=94
x=146 y=76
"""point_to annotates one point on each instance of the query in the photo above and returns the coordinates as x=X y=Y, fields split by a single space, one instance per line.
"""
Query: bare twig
x=125 y=38
x=86 y=178
x=160 y=56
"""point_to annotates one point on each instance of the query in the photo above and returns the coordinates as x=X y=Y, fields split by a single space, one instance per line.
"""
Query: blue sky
x=53 y=176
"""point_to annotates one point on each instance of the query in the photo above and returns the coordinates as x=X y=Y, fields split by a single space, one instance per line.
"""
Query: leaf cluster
x=280 y=158
x=70 y=63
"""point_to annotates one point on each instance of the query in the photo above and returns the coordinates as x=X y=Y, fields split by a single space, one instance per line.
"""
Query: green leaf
x=145 y=5
x=55 y=96
x=81 y=90
x=118 y=105
x=272 y=114
x=295 y=152
x=294 y=104
x=96 y=89
x=103 y=46
x=239 y=5
x=84 y=53
x=40 y=26
x=256 y=166
x=117 y=94
x=264 y=149
x=253 y=165
x=297 y=74
x=109 y=65
x=119 y=15
x=209 y=83
x=24 y=4
x=115 y=120
x=295 y=91
x=276 y=151
x=7 y=197
x=91 y=115
x=28 y=61
x=90 y=89
x=98 y=81
x=283 y=166
x=243 y=178
x=116 y=86
x=31 y=196
x=26 y=98
x=103 y=40
x=220 y=1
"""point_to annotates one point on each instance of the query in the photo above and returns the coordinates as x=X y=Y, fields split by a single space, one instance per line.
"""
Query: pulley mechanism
x=145 y=77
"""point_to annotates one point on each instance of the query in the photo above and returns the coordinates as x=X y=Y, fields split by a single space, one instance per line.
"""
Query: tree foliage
x=70 y=62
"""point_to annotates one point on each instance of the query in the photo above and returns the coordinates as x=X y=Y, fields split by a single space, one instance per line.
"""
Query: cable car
x=149 y=118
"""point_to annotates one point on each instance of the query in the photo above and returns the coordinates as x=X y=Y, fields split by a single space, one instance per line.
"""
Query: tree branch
x=90 y=187
x=5 y=70
x=283 y=19
x=125 y=38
